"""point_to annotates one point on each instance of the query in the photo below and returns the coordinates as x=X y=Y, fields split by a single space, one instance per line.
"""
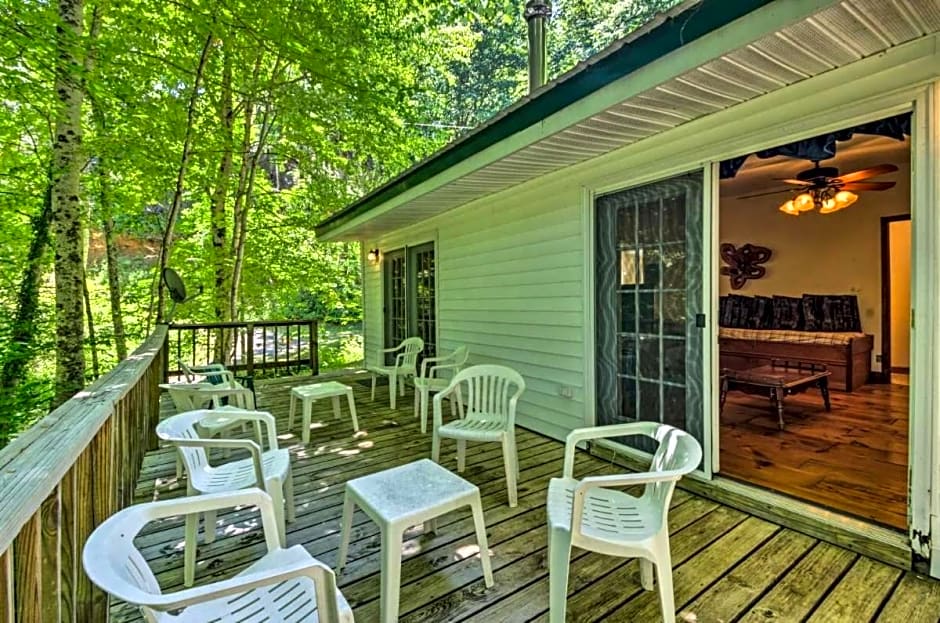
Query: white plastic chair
x=194 y=396
x=406 y=362
x=285 y=585
x=427 y=382
x=591 y=514
x=269 y=470
x=491 y=392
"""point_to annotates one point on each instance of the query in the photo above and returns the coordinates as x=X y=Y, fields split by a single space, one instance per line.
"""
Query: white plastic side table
x=308 y=394
x=406 y=496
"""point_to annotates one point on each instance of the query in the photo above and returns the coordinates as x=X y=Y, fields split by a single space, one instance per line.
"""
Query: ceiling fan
x=822 y=188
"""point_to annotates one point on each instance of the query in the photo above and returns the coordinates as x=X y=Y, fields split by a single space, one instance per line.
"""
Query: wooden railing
x=266 y=347
x=63 y=477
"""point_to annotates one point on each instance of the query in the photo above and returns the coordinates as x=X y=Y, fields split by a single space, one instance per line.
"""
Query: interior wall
x=817 y=253
x=899 y=241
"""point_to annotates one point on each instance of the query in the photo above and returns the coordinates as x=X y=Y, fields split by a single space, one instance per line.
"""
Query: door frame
x=886 y=292
x=924 y=447
x=589 y=196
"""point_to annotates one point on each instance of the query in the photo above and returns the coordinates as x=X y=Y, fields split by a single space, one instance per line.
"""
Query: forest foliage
x=210 y=136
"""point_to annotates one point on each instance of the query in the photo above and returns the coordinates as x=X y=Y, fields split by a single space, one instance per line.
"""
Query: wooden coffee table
x=778 y=380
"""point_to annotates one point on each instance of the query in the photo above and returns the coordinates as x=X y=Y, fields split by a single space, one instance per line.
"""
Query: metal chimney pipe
x=537 y=14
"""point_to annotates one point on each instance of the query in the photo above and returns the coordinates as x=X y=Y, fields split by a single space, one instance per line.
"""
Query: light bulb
x=789 y=208
x=804 y=202
x=845 y=198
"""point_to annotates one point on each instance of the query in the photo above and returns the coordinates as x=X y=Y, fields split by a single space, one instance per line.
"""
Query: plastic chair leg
x=425 y=398
x=664 y=579
x=292 y=411
x=509 y=459
x=346 y=528
x=208 y=526
x=373 y=387
x=290 y=509
x=189 y=549
x=559 y=553
x=275 y=488
x=646 y=574
x=461 y=455
x=392 y=389
x=436 y=447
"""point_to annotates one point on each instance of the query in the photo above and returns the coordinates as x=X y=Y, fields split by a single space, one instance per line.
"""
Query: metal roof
x=831 y=37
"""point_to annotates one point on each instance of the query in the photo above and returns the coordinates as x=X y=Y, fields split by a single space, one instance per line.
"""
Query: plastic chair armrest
x=251 y=415
x=426 y=361
x=434 y=369
x=598 y=432
x=229 y=444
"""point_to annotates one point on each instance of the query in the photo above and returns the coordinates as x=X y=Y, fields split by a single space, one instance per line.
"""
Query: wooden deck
x=728 y=566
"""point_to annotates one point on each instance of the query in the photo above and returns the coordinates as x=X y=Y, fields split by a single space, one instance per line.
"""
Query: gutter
x=684 y=24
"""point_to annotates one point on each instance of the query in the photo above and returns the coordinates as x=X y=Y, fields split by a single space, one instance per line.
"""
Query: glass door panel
x=423 y=320
x=648 y=285
x=396 y=327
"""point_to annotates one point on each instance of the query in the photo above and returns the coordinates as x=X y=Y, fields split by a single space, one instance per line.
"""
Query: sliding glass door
x=649 y=318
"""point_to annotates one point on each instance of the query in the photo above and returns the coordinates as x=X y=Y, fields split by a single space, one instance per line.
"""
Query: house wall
x=510 y=288
x=816 y=253
x=514 y=270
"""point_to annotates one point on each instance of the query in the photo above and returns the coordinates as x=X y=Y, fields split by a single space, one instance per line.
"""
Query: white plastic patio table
x=308 y=394
x=399 y=498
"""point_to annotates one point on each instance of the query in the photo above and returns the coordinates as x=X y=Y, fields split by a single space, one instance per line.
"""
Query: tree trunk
x=242 y=203
x=177 y=203
x=114 y=276
x=220 y=259
x=23 y=332
x=105 y=208
x=67 y=218
x=92 y=339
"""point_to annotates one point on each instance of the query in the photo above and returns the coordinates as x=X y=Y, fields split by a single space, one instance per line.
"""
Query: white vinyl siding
x=509 y=287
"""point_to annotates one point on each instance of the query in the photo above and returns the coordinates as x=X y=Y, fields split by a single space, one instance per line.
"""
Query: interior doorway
x=808 y=326
x=896 y=298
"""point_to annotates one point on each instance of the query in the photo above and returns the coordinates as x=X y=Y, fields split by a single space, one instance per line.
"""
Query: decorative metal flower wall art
x=743 y=263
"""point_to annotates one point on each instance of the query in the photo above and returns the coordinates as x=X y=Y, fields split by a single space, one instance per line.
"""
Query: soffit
x=834 y=37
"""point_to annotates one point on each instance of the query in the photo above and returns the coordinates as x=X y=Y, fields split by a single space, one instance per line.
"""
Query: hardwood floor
x=852 y=459
x=727 y=565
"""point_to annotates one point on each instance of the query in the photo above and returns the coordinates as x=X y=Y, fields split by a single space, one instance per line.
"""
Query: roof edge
x=683 y=25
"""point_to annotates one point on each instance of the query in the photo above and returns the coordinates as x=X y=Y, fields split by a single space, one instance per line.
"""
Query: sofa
x=820 y=329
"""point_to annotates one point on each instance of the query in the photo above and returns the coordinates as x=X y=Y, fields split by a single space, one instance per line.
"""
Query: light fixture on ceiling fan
x=823 y=189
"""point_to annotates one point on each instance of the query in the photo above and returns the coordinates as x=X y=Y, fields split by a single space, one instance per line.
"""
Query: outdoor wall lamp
x=373 y=256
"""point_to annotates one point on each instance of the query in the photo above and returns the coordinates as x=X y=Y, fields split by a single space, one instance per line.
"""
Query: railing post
x=314 y=349
x=250 y=348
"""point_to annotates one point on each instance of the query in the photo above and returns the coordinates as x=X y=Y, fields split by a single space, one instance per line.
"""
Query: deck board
x=728 y=566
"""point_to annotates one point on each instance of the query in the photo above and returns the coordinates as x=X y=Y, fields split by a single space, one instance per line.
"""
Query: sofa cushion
x=762 y=313
x=787 y=313
x=831 y=312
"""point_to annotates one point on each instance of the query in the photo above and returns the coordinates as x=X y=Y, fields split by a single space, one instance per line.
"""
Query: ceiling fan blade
x=868 y=186
x=864 y=174
x=772 y=192
x=793 y=181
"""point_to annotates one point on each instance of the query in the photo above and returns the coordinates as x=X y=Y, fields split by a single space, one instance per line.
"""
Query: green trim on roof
x=677 y=31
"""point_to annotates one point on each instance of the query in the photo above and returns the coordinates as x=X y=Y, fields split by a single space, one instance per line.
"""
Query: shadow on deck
x=728 y=566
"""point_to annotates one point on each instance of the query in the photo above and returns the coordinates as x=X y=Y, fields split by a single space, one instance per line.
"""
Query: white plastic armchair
x=592 y=514
x=406 y=362
x=491 y=393
x=428 y=382
x=268 y=469
x=287 y=585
